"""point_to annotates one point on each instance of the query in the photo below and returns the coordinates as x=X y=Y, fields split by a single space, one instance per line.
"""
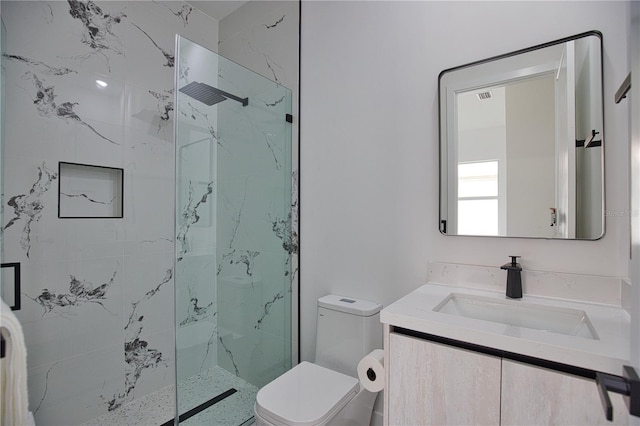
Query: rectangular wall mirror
x=522 y=143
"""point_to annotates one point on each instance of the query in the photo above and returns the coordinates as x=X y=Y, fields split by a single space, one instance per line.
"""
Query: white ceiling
x=217 y=9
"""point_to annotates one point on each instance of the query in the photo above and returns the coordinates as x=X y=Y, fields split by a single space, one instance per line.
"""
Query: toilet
x=327 y=392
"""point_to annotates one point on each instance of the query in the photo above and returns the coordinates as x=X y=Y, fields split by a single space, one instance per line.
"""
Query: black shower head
x=203 y=93
x=209 y=95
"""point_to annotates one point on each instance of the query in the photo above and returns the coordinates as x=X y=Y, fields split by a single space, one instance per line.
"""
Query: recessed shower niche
x=87 y=191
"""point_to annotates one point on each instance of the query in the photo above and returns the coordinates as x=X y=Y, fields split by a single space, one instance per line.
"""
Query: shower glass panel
x=233 y=214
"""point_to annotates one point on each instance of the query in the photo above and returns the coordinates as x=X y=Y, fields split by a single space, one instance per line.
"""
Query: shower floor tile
x=157 y=407
x=233 y=410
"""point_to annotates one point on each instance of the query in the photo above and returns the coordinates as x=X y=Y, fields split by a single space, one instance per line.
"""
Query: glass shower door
x=233 y=230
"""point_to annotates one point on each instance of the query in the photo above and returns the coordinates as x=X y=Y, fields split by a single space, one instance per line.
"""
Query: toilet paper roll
x=371 y=371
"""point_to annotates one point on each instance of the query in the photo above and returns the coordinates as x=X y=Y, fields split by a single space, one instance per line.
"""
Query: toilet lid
x=308 y=394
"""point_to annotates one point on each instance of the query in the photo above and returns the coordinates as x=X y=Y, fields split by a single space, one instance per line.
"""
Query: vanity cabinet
x=434 y=384
x=431 y=383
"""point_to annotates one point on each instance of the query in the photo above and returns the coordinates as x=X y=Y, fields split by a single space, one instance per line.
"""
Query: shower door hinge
x=289 y=118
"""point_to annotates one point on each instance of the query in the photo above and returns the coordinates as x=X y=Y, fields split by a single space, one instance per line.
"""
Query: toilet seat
x=308 y=394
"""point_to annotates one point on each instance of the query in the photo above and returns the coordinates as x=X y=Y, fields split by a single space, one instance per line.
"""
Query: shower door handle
x=627 y=385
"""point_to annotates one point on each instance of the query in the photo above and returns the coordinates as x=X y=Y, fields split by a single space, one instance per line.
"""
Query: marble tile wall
x=97 y=293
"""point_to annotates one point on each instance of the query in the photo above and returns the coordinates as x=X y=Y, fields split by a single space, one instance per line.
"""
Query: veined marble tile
x=196 y=295
x=198 y=63
x=256 y=357
x=262 y=148
x=81 y=100
x=99 y=144
x=201 y=306
x=197 y=150
x=144 y=34
x=72 y=390
x=195 y=211
x=101 y=27
x=249 y=308
x=250 y=214
x=20 y=91
x=71 y=308
x=150 y=46
x=587 y=288
x=264 y=43
x=82 y=239
x=148 y=377
x=240 y=297
x=270 y=358
x=150 y=112
x=197 y=27
x=173 y=12
x=148 y=240
x=144 y=351
x=148 y=154
x=83 y=35
x=30 y=196
x=149 y=292
x=148 y=225
x=197 y=344
x=274 y=316
x=199 y=123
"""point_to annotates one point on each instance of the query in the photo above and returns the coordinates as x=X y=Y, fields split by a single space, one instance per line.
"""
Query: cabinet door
x=434 y=384
x=537 y=396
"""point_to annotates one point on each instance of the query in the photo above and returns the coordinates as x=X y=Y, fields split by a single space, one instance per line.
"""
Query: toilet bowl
x=327 y=392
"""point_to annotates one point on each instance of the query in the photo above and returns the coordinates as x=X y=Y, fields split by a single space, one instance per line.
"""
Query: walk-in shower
x=233 y=228
x=134 y=256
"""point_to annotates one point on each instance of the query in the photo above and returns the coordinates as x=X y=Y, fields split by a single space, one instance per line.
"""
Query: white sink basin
x=571 y=322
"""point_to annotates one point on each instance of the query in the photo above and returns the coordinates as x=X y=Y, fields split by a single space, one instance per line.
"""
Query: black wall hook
x=589 y=142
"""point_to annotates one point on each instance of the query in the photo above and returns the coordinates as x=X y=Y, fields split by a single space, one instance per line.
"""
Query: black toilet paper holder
x=371 y=375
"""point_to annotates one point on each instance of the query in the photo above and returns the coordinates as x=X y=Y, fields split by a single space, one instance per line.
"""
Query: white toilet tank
x=347 y=330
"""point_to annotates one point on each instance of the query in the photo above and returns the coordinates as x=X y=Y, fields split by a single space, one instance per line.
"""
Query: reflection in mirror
x=521 y=143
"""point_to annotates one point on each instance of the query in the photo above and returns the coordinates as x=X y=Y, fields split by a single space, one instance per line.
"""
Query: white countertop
x=607 y=354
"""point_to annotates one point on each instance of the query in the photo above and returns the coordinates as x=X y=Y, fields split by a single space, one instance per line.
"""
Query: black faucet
x=514 y=281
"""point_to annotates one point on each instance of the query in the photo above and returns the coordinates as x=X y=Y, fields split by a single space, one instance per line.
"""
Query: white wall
x=369 y=132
